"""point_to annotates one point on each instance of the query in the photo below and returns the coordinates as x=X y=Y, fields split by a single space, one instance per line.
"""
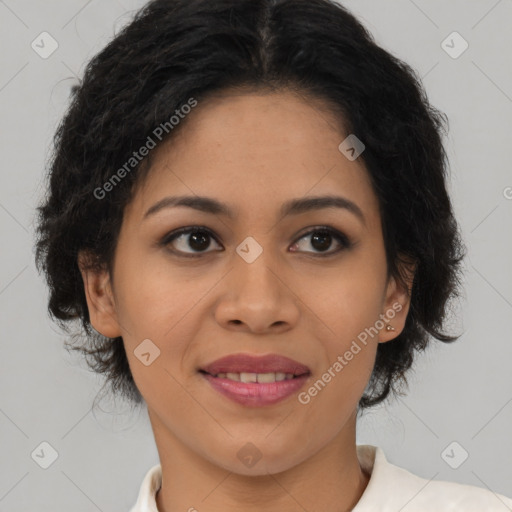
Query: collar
x=390 y=488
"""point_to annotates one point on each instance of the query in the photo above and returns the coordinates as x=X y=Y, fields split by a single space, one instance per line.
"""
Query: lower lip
x=256 y=394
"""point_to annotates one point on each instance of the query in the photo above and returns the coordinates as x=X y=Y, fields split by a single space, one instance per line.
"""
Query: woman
x=248 y=214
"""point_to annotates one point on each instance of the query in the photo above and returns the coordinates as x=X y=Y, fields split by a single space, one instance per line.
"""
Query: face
x=305 y=285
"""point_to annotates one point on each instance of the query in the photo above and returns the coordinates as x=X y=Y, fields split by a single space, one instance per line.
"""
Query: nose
x=256 y=297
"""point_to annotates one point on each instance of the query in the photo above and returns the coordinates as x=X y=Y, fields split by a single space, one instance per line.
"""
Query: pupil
x=197 y=241
x=325 y=241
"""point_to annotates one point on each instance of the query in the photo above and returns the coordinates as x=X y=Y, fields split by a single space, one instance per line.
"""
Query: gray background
x=458 y=393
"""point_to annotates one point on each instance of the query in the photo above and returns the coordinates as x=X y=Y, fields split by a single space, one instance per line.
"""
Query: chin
x=258 y=459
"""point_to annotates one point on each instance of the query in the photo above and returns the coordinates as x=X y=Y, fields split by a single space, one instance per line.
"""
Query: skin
x=252 y=151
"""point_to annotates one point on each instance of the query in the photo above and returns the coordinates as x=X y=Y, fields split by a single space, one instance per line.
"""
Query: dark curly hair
x=177 y=49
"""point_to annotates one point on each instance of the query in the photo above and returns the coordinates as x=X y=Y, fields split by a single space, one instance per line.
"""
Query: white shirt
x=390 y=489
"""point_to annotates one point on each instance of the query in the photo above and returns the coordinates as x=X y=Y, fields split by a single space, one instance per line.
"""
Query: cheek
x=347 y=305
x=153 y=296
x=348 y=364
x=348 y=299
x=153 y=316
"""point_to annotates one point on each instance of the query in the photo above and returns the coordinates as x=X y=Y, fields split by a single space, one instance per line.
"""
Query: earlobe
x=100 y=299
x=397 y=303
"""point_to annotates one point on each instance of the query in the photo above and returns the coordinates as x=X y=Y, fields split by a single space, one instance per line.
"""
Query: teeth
x=248 y=377
x=256 y=377
x=270 y=377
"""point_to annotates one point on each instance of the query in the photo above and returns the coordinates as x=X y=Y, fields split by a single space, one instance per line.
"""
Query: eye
x=323 y=239
x=196 y=237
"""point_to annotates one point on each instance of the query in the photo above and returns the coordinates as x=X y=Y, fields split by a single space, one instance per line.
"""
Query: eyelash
x=342 y=239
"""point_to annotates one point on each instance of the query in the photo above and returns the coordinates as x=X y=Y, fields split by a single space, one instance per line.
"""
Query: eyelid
x=343 y=240
x=169 y=237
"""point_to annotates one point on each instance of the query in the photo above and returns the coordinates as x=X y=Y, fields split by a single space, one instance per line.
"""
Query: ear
x=397 y=301
x=100 y=298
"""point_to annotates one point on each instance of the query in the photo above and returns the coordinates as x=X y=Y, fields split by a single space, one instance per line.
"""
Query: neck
x=331 y=480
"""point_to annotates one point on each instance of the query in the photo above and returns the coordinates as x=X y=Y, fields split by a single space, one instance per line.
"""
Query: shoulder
x=393 y=488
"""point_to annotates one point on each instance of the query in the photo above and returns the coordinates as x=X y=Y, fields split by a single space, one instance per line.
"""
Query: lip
x=270 y=363
x=255 y=393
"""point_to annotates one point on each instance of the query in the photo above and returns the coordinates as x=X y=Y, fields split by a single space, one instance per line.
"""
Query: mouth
x=253 y=368
x=256 y=380
x=247 y=377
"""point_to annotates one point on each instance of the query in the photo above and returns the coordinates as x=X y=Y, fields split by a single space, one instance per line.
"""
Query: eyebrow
x=292 y=207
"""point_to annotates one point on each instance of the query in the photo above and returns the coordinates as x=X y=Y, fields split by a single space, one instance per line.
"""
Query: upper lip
x=247 y=363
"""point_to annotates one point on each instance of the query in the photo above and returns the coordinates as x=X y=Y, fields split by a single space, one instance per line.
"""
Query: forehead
x=257 y=151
